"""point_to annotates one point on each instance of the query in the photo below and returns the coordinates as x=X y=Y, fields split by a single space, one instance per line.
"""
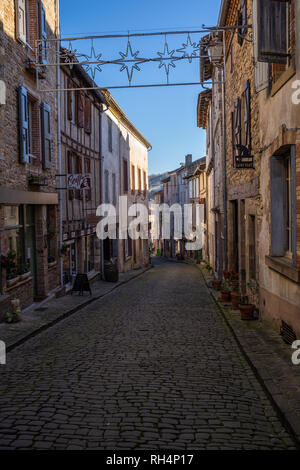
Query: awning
x=204 y=99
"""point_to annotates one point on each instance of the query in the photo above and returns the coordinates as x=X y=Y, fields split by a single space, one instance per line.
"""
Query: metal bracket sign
x=243 y=163
x=78 y=181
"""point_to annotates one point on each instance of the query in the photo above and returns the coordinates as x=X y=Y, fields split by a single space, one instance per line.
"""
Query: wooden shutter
x=247 y=114
x=23 y=125
x=46 y=135
x=125 y=176
x=70 y=171
x=261 y=69
x=233 y=140
x=21 y=23
x=106 y=190
x=80 y=101
x=87 y=115
x=145 y=183
x=140 y=180
x=237 y=122
x=240 y=23
x=132 y=179
x=87 y=171
x=43 y=32
x=244 y=17
x=70 y=99
x=272 y=37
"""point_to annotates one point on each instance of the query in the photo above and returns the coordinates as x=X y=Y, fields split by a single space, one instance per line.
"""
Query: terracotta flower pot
x=227 y=275
x=247 y=312
x=225 y=297
x=235 y=300
x=12 y=282
x=216 y=284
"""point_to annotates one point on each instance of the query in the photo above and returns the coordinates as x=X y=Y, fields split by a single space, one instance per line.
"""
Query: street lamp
x=215 y=50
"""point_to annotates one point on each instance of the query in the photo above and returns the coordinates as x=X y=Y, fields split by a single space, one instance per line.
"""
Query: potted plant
x=12 y=276
x=235 y=300
x=247 y=309
x=13 y=315
x=225 y=292
x=216 y=284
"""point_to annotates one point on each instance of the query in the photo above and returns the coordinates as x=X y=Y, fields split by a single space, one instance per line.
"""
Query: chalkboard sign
x=81 y=284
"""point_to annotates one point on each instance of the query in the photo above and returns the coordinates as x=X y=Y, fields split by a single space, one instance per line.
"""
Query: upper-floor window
x=31 y=25
x=34 y=128
x=132 y=179
x=125 y=176
x=109 y=134
x=283 y=205
x=106 y=187
x=140 y=180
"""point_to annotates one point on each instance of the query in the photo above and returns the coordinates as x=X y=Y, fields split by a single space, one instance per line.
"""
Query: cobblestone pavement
x=151 y=366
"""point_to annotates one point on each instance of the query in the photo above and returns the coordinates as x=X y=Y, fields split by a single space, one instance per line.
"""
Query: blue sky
x=165 y=116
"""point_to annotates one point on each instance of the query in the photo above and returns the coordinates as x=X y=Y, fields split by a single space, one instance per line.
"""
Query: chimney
x=188 y=159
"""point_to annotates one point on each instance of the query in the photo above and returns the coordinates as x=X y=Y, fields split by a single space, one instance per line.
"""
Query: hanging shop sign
x=244 y=160
x=78 y=181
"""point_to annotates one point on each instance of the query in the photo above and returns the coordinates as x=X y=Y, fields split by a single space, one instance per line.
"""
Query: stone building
x=125 y=173
x=28 y=155
x=261 y=176
x=80 y=117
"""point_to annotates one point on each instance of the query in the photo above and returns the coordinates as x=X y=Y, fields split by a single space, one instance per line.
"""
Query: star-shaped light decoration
x=92 y=62
x=131 y=57
x=167 y=59
x=190 y=50
x=68 y=54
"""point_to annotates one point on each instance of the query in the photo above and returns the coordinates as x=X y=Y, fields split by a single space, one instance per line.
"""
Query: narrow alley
x=151 y=367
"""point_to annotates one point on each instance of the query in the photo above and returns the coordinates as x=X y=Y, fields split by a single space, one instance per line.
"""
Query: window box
x=13 y=281
x=37 y=180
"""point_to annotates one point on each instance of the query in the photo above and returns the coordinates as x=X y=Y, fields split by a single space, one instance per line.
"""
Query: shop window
x=51 y=234
x=90 y=253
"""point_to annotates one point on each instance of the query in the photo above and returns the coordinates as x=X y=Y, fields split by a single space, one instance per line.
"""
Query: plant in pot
x=235 y=297
x=247 y=309
x=51 y=232
x=13 y=315
x=64 y=249
x=225 y=292
x=12 y=276
x=216 y=284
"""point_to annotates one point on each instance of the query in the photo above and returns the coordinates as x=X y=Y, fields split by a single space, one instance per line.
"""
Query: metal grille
x=287 y=333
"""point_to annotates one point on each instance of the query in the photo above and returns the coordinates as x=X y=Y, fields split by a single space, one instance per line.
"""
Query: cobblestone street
x=150 y=366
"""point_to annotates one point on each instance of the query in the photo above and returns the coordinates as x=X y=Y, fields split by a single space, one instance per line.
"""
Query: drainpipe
x=58 y=97
x=224 y=156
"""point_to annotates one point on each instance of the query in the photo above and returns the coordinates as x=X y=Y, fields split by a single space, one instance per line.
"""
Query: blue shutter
x=23 y=125
x=46 y=135
x=278 y=207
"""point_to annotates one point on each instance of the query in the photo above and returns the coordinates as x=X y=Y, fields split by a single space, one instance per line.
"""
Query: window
x=106 y=188
x=46 y=135
x=70 y=96
x=252 y=247
x=283 y=205
x=132 y=179
x=31 y=25
x=125 y=176
x=272 y=31
x=140 y=180
x=71 y=192
x=80 y=104
x=87 y=171
x=145 y=183
x=32 y=117
x=109 y=135
x=88 y=115
x=51 y=233
x=114 y=189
